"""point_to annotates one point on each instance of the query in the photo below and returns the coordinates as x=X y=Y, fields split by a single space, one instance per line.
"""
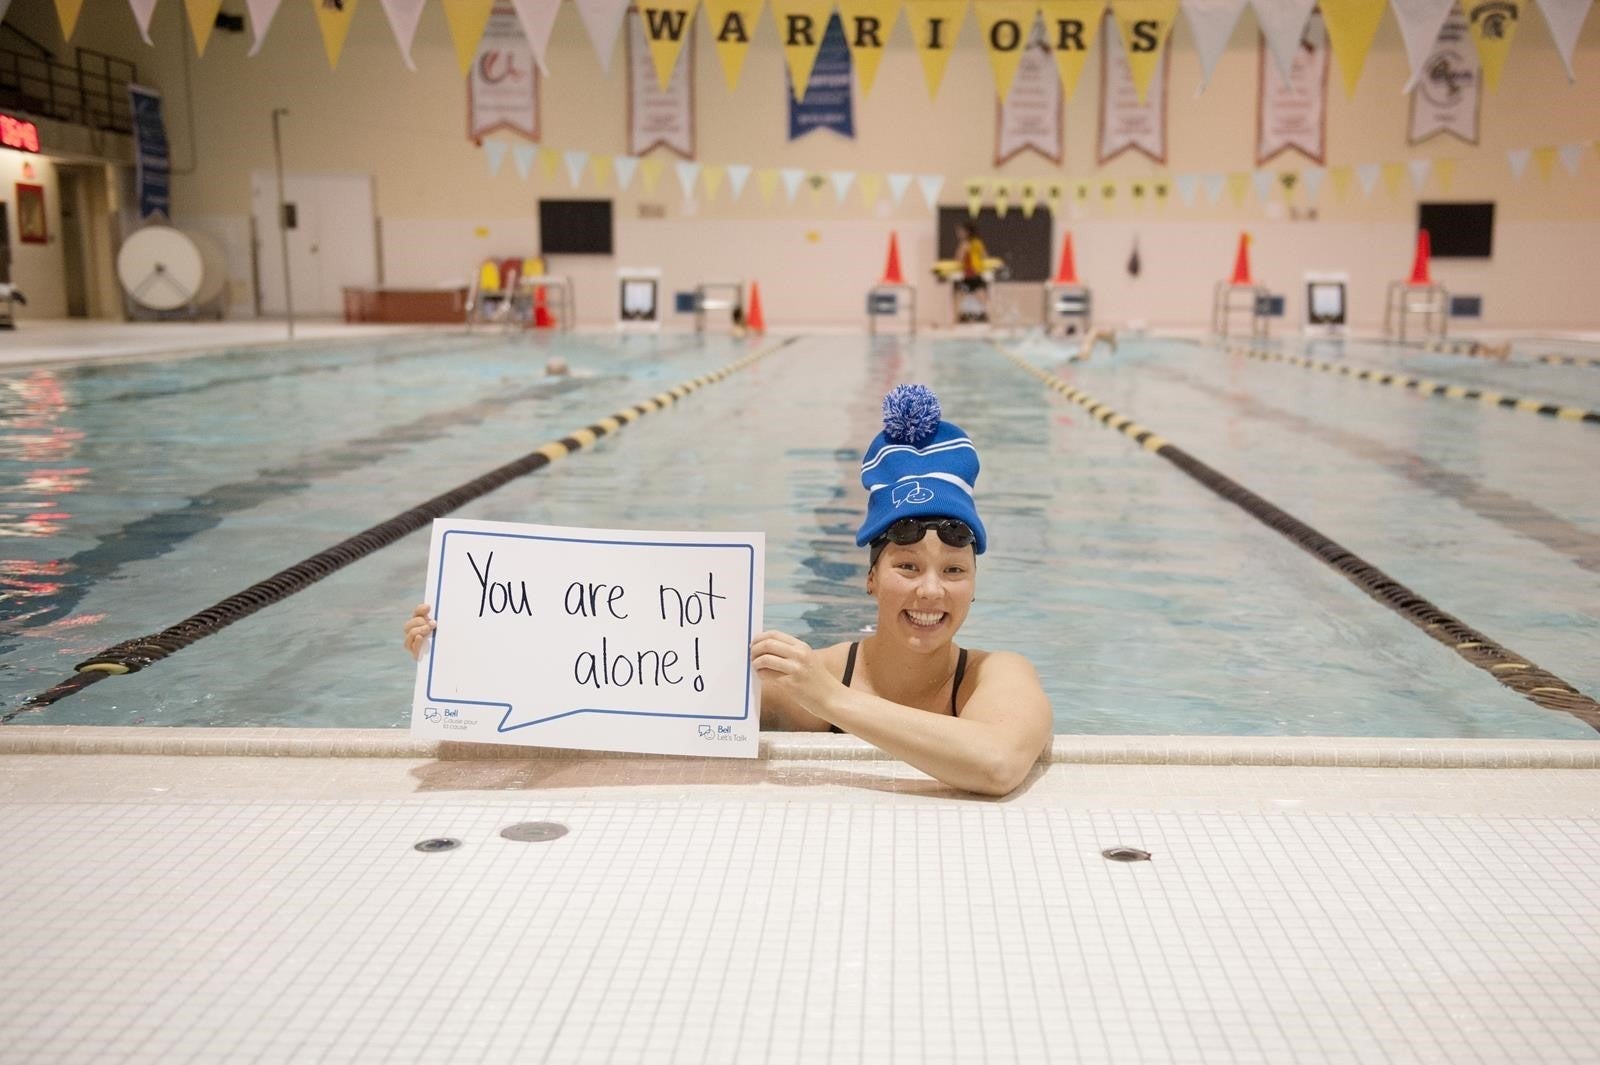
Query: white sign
x=592 y=639
x=503 y=88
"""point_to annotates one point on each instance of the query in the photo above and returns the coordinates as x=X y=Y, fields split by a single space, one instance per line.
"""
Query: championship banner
x=1211 y=23
x=1352 y=24
x=658 y=116
x=665 y=26
x=1294 y=113
x=1493 y=24
x=591 y=639
x=802 y=24
x=503 y=86
x=334 y=22
x=1070 y=29
x=826 y=102
x=1145 y=26
x=1007 y=27
x=1029 y=118
x=935 y=24
x=868 y=24
x=1130 y=119
x=152 y=161
x=732 y=23
x=1446 y=99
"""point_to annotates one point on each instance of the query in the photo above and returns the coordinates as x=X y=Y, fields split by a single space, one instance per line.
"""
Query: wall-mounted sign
x=18 y=133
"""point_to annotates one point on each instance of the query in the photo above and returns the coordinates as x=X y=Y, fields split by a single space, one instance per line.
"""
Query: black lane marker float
x=130 y=656
x=1424 y=386
x=1568 y=360
x=1506 y=666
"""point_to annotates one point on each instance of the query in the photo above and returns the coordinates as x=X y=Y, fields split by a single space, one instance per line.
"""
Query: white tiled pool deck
x=1325 y=901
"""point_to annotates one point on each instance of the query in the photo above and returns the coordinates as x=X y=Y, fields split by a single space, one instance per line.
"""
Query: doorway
x=332 y=238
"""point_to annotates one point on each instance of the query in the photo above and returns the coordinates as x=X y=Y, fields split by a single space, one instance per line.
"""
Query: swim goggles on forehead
x=908 y=531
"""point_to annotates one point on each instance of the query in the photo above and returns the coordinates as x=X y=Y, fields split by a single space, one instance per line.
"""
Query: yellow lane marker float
x=1509 y=668
x=1568 y=360
x=1423 y=386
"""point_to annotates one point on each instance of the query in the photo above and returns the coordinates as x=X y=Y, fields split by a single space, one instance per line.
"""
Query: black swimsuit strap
x=955 y=689
x=961 y=669
x=850 y=664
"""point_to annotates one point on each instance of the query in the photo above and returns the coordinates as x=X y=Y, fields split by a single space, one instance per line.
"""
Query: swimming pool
x=141 y=493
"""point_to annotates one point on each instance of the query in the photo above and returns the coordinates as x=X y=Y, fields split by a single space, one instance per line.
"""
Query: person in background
x=971 y=255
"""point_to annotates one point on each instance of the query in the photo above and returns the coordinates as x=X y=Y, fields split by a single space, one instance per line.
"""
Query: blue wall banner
x=828 y=103
x=154 y=165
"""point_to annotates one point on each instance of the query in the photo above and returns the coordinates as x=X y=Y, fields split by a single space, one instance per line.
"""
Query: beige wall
x=814 y=259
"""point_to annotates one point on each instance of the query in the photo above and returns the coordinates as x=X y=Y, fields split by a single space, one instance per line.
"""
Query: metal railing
x=91 y=92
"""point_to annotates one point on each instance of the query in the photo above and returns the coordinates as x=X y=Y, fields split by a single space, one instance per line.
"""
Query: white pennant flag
x=1312 y=178
x=603 y=20
x=1565 y=19
x=1420 y=22
x=930 y=184
x=738 y=174
x=1420 y=169
x=1283 y=23
x=1211 y=22
x=142 y=10
x=1214 y=184
x=576 y=163
x=403 y=16
x=1570 y=155
x=791 y=181
x=1367 y=174
x=688 y=174
x=523 y=155
x=1186 y=184
x=898 y=183
x=261 y=12
x=1262 y=180
x=495 y=152
x=1518 y=158
x=624 y=166
x=841 y=182
x=537 y=18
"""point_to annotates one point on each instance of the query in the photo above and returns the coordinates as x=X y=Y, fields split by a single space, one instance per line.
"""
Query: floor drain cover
x=534 y=831
x=1125 y=854
x=441 y=843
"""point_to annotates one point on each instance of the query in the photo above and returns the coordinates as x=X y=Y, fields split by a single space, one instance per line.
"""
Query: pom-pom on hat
x=920 y=466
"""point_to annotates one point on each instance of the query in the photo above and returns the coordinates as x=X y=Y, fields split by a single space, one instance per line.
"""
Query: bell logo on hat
x=920 y=466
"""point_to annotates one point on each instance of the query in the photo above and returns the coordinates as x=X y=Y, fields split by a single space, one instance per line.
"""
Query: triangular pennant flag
x=841 y=182
x=666 y=25
x=1054 y=193
x=1518 y=158
x=898 y=183
x=68 y=10
x=1186 y=185
x=649 y=172
x=1312 y=178
x=495 y=153
x=625 y=165
x=930 y=185
x=577 y=162
x=403 y=16
x=603 y=20
x=974 y=187
x=1070 y=27
x=1420 y=21
x=601 y=167
x=538 y=17
x=711 y=178
x=1367 y=174
x=1283 y=23
x=935 y=24
x=871 y=22
x=1145 y=27
x=738 y=174
x=1545 y=160
x=1262 y=180
x=1006 y=26
x=1565 y=19
x=1028 y=193
x=1215 y=184
x=261 y=12
x=871 y=184
x=466 y=19
x=688 y=174
x=1445 y=171
x=1352 y=24
x=142 y=10
x=1211 y=23
x=334 y=22
x=792 y=176
x=549 y=159
x=1341 y=176
x=523 y=156
x=1393 y=174
x=1571 y=155
x=1493 y=24
x=767 y=183
x=1420 y=169
x=800 y=27
x=733 y=26
x=1002 y=196
x=202 y=18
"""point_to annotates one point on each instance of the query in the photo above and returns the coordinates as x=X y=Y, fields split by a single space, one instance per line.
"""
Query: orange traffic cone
x=1067 y=274
x=754 y=320
x=542 y=318
x=1241 y=262
x=1420 y=274
x=891 y=271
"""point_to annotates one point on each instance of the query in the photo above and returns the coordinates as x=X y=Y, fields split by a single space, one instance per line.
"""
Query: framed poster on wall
x=32 y=226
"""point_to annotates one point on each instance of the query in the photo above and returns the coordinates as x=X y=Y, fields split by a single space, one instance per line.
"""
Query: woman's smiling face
x=923 y=590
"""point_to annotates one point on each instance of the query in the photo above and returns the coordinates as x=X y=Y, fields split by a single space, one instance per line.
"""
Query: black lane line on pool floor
x=1506 y=666
x=133 y=655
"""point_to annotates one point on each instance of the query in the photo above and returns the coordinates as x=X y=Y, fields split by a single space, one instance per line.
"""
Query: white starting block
x=1252 y=301
x=1405 y=301
x=1071 y=306
x=712 y=296
x=886 y=300
x=639 y=298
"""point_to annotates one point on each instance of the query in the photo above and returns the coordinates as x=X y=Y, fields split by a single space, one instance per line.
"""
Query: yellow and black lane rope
x=130 y=656
x=1506 y=666
x=1423 y=386
x=1568 y=360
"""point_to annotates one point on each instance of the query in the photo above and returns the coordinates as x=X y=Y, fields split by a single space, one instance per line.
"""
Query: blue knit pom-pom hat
x=920 y=466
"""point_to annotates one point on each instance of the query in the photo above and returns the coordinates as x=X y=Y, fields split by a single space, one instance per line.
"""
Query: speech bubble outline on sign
x=592 y=638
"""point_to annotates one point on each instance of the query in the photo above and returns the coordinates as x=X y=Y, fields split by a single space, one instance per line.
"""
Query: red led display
x=19 y=134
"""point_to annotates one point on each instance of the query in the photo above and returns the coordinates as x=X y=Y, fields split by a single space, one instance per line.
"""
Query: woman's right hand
x=418 y=628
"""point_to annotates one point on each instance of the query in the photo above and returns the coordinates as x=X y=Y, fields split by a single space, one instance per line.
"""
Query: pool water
x=136 y=495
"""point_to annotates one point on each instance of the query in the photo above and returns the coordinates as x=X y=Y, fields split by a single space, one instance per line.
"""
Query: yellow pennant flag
x=1238 y=186
x=1394 y=176
x=666 y=29
x=67 y=11
x=1028 y=193
x=711 y=174
x=935 y=25
x=1493 y=24
x=650 y=171
x=1006 y=25
x=1136 y=192
x=767 y=182
x=334 y=22
x=800 y=27
x=1145 y=26
x=1161 y=191
x=867 y=25
x=1081 y=192
x=1340 y=176
x=1108 y=191
x=733 y=23
x=871 y=184
x=601 y=165
x=202 y=17
x=974 y=196
x=1545 y=160
x=1351 y=25
x=549 y=160
x=1054 y=193
x=1070 y=27
x=1002 y=196
x=467 y=20
x=1445 y=171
